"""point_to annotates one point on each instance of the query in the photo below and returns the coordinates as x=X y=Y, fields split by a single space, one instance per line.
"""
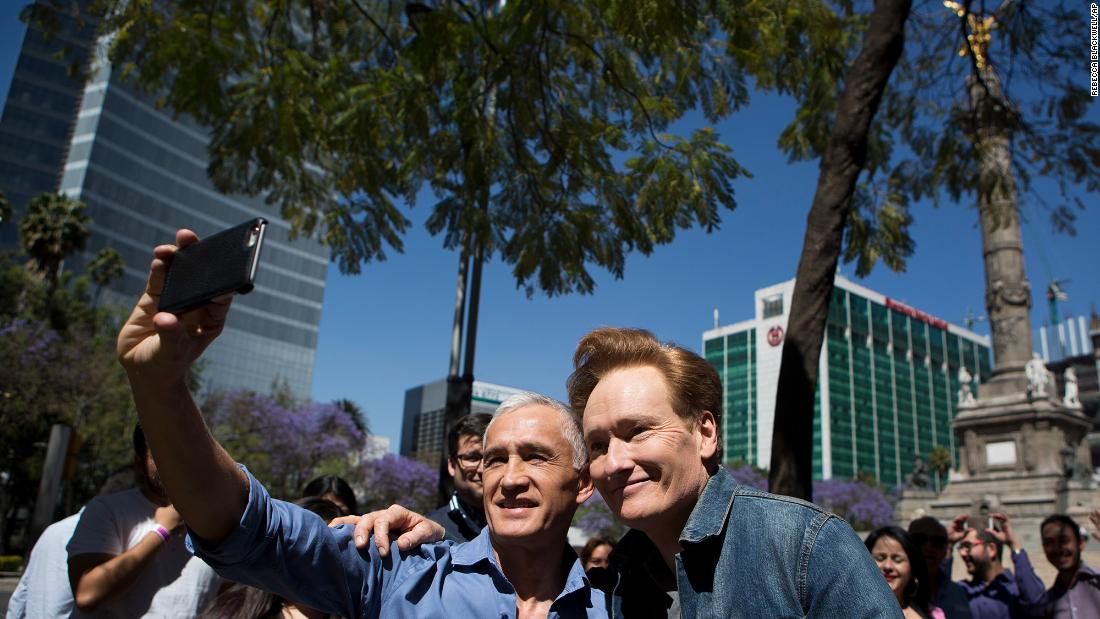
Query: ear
x=707 y=427
x=584 y=485
x=451 y=466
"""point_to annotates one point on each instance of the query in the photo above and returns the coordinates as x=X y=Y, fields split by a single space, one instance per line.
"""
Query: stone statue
x=1070 y=397
x=966 y=397
x=919 y=477
x=1037 y=376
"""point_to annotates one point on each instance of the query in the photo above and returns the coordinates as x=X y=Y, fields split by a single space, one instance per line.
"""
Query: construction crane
x=972 y=318
x=1056 y=293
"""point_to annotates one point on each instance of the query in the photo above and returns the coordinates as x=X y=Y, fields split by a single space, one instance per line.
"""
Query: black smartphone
x=222 y=264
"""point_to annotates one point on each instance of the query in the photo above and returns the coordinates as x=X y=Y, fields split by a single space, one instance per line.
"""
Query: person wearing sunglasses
x=929 y=537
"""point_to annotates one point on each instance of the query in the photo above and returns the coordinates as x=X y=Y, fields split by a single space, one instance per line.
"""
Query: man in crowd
x=535 y=475
x=995 y=592
x=462 y=517
x=127 y=556
x=1076 y=590
x=700 y=544
x=930 y=536
x=37 y=593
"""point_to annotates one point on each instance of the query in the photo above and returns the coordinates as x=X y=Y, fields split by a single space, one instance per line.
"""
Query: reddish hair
x=693 y=385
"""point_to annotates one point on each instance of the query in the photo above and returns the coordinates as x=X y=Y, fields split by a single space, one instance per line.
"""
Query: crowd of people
x=641 y=428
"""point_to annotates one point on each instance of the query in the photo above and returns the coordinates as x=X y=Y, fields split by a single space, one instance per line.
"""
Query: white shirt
x=174 y=584
x=43 y=591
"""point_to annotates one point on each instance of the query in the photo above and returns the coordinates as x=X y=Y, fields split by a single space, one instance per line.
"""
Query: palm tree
x=54 y=227
x=104 y=268
x=939 y=460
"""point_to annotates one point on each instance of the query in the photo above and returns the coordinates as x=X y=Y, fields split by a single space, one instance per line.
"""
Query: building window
x=773 y=306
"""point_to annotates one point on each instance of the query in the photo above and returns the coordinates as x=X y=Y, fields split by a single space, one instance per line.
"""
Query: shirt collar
x=481 y=549
x=474 y=551
x=711 y=512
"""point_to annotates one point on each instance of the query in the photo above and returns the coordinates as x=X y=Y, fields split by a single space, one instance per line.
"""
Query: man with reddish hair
x=701 y=545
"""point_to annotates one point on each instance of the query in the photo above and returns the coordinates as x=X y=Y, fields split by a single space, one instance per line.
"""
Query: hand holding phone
x=220 y=265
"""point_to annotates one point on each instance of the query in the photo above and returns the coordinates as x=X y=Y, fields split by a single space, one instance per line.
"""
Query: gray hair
x=570 y=422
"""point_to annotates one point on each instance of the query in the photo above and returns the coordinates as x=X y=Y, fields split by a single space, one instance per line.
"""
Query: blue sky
x=388 y=328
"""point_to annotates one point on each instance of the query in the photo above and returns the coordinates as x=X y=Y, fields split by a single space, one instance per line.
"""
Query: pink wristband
x=162 y=532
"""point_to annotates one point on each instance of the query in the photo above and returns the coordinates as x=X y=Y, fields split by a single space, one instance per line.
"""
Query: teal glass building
x=887 y=389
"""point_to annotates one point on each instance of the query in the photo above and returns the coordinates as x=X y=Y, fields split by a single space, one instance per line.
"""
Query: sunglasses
x=937 y=541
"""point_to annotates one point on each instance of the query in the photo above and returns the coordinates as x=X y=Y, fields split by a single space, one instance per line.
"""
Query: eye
x=596 y=447
x=491 y=461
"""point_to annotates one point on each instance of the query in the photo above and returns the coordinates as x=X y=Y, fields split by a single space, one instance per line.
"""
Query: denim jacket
x=747 y=553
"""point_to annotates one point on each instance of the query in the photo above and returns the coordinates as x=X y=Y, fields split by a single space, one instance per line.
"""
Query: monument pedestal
x=1020 y=455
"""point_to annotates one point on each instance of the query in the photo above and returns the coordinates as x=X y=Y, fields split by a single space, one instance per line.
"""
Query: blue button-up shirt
x=290 y=551
x=1009 y=595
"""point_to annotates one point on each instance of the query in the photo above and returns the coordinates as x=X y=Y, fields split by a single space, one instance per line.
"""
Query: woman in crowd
x=334 y=489
x=900 y=563
x=595 y=553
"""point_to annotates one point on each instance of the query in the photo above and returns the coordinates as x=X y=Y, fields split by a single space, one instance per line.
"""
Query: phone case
x=221 y=264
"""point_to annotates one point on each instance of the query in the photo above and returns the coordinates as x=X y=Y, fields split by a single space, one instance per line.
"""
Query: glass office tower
x=422 y=430
x=142 y=175
x=887 y=388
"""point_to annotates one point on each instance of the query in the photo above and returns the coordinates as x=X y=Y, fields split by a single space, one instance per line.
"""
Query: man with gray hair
x=534 y=479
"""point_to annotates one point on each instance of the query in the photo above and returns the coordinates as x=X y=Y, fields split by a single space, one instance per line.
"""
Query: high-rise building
x=142 y=175
x=1069 y=338
x=422 y=427
x=887 y=388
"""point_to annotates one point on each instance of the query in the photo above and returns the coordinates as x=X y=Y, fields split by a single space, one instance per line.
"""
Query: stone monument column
x=1007 y=293
x=1021 y=450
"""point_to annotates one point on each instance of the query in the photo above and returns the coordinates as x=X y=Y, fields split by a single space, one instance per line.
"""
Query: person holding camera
x=995 y=592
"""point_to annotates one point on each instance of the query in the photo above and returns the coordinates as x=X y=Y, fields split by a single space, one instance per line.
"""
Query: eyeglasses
x=937 y=541
x=469 y=460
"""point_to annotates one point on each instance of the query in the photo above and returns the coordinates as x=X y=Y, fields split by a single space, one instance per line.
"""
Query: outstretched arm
x=157 y=349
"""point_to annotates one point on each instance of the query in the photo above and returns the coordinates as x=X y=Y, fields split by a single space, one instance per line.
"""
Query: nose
x=618 y=458
x=515 y=479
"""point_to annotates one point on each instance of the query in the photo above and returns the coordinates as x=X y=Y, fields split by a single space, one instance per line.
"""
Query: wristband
x=162 y=532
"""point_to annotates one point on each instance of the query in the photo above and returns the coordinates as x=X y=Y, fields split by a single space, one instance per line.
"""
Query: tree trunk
x=458 y=393
x=843 y=160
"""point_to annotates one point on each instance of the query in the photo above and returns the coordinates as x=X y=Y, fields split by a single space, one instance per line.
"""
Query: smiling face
x=894 y=563
x=465 y=469
x=1062 y=546
x=646 y=461
x=976 y=554
x=531 y=487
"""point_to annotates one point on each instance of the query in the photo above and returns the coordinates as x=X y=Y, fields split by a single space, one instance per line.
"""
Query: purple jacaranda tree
x=283 y=444
x=865 y=506
x=750 y=476
x=595 y=519
x=397 y=479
